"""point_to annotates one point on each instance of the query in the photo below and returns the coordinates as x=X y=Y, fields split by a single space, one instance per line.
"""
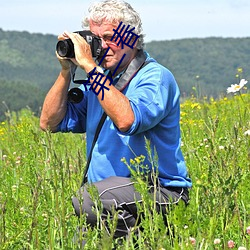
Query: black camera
x=65 y=48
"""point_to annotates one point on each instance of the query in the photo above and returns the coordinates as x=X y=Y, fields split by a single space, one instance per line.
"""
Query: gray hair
x=115 y=11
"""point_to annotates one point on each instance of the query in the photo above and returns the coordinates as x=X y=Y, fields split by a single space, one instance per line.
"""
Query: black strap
x=137 y=63
x=97 y=132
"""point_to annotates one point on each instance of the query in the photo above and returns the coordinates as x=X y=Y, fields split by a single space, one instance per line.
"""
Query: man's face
x=105 y=32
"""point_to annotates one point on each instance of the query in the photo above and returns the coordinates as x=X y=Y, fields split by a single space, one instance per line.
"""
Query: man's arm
x=55 y=103
x=115 y=104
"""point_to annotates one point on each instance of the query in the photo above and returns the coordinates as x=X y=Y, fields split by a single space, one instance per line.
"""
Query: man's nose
x=104 y=44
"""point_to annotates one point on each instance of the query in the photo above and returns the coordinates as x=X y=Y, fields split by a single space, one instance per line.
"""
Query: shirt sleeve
x=153 y=97
x=75 y=117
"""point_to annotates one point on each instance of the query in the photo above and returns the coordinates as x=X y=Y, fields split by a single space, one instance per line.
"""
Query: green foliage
x=14 y=95
x=40 y=172
x=208 y=62
x=36 y=184
x=28 y=58
x=28 y=68
x=202 y=67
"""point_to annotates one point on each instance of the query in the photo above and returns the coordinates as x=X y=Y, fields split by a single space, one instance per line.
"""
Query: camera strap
x=136 y=64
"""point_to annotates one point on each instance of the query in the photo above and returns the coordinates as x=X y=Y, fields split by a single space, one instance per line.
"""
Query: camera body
x=65 y=48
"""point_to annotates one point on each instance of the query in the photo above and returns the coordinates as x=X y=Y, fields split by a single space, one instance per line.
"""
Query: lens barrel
x=65 y=48
x=75 y=95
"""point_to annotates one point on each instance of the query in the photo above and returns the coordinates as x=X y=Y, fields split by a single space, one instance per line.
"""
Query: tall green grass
x=40 y=172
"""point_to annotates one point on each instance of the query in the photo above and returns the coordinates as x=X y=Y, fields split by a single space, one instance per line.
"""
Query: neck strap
x=136 y=64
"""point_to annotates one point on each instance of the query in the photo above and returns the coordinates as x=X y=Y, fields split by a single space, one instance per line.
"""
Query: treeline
x=28 y=68
x=204 y=67
x=210 y=64
x=16 y=95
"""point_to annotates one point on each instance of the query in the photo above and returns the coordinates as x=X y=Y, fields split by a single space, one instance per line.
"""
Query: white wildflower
x=247 y=133
x=242 y=248
x=217 y=241
x=236 y=87
x=22 y=210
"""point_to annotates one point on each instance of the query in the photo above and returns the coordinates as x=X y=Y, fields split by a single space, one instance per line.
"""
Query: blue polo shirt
x=154 y=97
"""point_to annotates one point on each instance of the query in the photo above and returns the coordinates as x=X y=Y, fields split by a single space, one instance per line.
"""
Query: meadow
x=40 y=172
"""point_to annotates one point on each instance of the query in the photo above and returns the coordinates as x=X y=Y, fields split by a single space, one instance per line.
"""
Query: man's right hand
x=66 y=63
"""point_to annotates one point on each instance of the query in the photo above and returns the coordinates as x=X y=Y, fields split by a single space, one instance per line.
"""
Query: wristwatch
x=95 y=71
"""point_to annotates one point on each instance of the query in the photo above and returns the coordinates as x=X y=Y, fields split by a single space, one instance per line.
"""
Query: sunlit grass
x=40 y=172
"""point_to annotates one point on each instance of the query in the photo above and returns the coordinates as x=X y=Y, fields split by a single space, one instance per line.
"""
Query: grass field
x=40 y=172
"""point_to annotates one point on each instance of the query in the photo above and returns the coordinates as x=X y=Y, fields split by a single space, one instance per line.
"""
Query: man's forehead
x=104 y=28
x=104 y=23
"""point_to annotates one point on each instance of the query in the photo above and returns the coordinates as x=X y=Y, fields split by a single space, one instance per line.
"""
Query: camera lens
x=65 y=48
x=75 y=95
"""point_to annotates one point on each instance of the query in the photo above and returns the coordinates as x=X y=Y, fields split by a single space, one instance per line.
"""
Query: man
x=145 y=107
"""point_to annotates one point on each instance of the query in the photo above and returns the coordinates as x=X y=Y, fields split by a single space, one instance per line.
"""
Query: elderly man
x=141 y=103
